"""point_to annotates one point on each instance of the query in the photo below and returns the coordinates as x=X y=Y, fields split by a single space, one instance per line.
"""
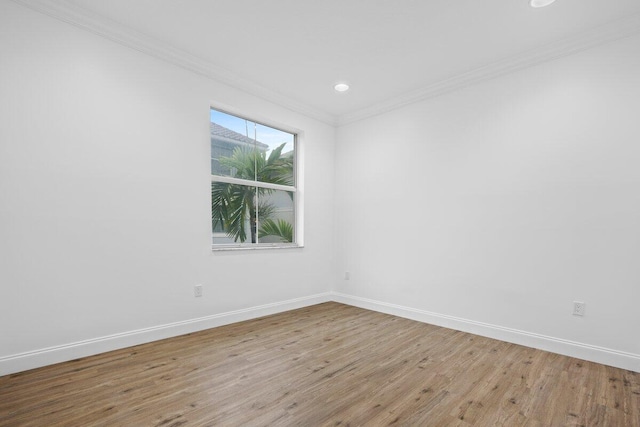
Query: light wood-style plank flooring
x=325 y=365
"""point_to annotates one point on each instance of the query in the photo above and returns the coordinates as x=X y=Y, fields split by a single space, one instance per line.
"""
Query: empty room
x=330 y=213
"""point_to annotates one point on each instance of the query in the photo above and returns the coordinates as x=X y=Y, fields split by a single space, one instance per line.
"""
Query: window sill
x=223 y=248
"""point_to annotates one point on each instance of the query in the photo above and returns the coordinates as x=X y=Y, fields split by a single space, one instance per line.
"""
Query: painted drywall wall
x=503 y=202
x=104 y=195
x=500 y=203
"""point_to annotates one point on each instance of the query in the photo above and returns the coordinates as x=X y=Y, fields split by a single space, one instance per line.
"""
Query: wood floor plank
x=325 y=365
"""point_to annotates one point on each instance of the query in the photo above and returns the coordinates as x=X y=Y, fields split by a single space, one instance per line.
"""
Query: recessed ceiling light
x=341 y=87
x=540 y=3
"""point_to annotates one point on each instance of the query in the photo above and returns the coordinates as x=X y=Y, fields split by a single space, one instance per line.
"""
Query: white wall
x=104 y=199
x=494 y=207
x=489 y=209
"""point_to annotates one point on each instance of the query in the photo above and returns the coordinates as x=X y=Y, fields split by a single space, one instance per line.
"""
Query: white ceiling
x=293 y=51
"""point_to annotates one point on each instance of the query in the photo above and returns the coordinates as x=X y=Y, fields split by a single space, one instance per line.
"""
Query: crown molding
x=77 y=16
x=615 y=30
x=72 y=14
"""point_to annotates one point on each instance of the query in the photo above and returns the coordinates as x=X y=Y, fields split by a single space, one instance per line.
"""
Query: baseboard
x=578 y=350
x=48 y=356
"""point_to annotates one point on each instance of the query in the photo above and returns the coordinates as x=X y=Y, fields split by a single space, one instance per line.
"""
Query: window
x=253 y=183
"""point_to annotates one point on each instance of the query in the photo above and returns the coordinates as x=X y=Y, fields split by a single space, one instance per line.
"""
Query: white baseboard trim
x=606 y=356
x=51 y=355
x=62 y=353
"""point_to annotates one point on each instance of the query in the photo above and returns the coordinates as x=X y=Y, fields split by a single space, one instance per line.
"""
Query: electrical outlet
x=197 y=291
x=347 y=275
x=578 y=308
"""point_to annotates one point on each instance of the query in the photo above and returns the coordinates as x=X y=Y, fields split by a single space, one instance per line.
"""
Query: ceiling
x=390 y=51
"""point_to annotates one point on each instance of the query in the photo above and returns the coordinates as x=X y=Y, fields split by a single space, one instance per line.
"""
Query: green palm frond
x=249 y=163
x=279 y=228
x=231 y=206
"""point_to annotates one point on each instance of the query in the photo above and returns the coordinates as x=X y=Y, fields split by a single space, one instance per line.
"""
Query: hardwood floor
x=326 y=365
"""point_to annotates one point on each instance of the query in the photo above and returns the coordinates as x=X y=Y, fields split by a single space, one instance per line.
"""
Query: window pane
x=245 y=149
x=279 y=155
x=232 y=146
x=275 y=216
x=233 y=211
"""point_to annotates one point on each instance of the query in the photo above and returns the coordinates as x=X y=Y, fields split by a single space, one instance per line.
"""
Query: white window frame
x=296 y=189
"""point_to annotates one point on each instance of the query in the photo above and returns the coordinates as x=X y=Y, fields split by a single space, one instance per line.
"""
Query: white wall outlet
x=578 y=308
x=347 y=275
x=197 y=291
